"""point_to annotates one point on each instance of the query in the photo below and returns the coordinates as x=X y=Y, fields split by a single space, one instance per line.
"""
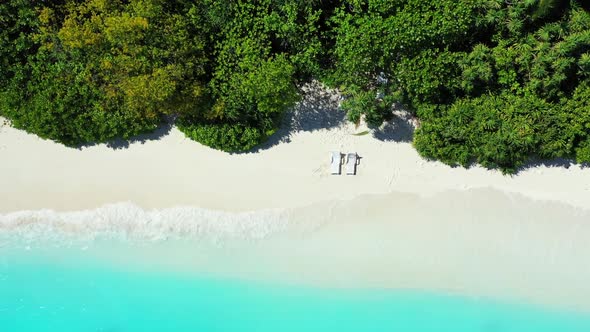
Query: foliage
x=367 y=104
x=225 y=137
x=577 y=122
x=252 y=82
x=17 y=19
x=106 y=69
x=523 y=96
x=493 y=82
x=495 y=131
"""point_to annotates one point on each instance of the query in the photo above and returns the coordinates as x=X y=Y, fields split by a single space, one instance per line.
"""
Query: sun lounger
x=336 y=162
x=351 y=161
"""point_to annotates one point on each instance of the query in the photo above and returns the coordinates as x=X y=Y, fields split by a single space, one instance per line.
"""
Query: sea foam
x=129 y=222
x=482 y=243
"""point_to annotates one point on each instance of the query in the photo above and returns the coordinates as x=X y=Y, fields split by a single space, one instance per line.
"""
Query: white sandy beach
x=291 y=170
x=402 y=222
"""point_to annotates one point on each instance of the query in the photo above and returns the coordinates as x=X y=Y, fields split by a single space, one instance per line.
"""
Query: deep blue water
x=40 y=294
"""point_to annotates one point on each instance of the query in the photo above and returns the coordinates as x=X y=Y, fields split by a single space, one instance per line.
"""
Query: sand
x=166 y=169
x=277 y=213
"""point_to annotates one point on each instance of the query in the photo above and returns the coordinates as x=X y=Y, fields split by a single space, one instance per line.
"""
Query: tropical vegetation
x=492 y=82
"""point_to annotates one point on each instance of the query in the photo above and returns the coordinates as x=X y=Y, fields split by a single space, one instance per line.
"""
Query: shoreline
x=477 y=243
x=402 y=222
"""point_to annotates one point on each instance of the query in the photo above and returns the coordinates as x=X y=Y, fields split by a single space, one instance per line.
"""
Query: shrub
x=226 y=137
x=495 y=131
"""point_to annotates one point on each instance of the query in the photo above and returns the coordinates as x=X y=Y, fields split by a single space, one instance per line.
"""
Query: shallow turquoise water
x=81 y=295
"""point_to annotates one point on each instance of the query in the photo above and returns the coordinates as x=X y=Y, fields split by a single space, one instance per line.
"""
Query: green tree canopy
x=493 y=82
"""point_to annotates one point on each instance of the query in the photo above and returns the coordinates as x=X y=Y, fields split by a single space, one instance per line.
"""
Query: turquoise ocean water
x=81 y=295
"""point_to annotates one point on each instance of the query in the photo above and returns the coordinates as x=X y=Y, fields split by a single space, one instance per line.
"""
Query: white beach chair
x=352 y=159
x=335 y=162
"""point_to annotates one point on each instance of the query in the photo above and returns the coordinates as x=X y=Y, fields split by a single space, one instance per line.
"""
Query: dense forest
x=493 y=82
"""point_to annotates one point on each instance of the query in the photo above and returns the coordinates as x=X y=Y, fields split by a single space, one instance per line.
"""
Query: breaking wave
x=129 y=222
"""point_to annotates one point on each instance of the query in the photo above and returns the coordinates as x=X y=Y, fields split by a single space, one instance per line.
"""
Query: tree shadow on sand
x=400 y=128
x=551 y=163
x=318 y=109
x=120 y=143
